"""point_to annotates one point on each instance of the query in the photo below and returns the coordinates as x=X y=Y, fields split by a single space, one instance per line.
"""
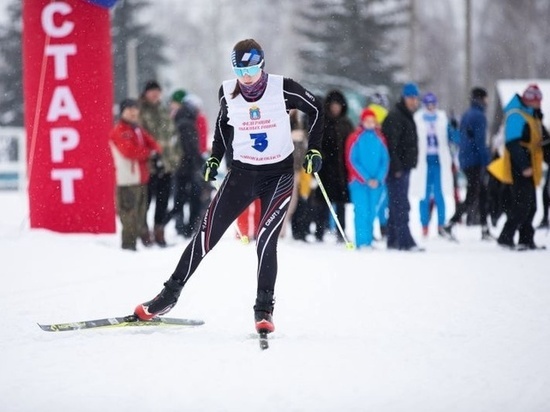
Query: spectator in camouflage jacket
x=156 y=120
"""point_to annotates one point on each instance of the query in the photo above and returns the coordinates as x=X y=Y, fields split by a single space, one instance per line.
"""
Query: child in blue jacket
x=367 y=161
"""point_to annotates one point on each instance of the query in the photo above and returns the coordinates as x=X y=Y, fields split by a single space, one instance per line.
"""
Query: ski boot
x=263 y=312
x=162 y=303
x=145 y=237
x=425 y=231
x=158 y=235
x=486 y=234
x=446 y=232
x=529 y=246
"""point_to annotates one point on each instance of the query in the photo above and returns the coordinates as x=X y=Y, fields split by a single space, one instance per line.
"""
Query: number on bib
x=260 y=141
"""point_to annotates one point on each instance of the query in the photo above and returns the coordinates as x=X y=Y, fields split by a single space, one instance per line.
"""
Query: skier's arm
x=223 y=132
x=297 y=97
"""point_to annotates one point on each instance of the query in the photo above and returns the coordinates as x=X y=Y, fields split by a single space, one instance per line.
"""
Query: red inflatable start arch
x=68 y=92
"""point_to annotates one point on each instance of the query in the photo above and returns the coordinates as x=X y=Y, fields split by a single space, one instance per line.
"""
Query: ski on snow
x=132 y=321
x=118 y=322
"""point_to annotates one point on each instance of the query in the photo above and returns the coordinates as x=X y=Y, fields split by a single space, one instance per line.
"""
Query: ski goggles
x=250 y=70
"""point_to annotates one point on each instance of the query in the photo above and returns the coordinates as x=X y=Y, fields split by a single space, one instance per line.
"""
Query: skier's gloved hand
x=313 y=161
x=210 y=169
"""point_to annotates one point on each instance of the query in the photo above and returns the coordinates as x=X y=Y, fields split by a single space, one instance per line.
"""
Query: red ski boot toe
x=142 y=313
x=265 y=326
x=162 y=303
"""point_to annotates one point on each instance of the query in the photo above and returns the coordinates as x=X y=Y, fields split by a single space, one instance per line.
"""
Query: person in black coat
x=333 y=175
x=187 y=178
x=400 y=131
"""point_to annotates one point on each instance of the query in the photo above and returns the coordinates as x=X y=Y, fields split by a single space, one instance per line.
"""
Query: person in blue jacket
x=367 y=162
x=473 y=157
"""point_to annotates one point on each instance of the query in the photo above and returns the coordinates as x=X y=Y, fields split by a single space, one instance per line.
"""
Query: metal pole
x=349 y=245
x=468 y=49
x=412 y=41
x=132 y=68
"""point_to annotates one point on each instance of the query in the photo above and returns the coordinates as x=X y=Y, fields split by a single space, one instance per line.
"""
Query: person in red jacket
x=132 y=147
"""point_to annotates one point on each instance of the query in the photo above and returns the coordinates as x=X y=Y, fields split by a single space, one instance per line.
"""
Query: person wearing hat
x=188 y=186
x=399 y=129
x=432 y=178
x=337 y=128
x=155 y=118
x=523 y=135
x=473 y=156
x=379 y=104
x=367 y=162
x=132 y=148
x=253 y=126
x=176 y=100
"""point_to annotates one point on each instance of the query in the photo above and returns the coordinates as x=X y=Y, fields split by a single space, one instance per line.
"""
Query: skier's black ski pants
x=237 y=191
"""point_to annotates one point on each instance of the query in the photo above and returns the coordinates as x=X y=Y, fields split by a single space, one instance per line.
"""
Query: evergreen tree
x=350 y=44
x=11 y=68
x=125 y=28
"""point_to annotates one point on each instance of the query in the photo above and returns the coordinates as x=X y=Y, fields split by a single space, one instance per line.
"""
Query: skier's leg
x=275 y=195
x=229 y=202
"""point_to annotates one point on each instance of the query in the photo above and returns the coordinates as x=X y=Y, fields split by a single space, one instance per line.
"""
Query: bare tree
x=513 y=43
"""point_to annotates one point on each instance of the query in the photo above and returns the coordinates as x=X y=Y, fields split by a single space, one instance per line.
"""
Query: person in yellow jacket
x=521 y=166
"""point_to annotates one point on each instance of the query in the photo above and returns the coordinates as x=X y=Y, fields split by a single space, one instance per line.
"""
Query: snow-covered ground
x=458 y=328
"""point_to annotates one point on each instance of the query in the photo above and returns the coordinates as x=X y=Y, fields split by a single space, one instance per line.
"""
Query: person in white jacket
x=434 y=170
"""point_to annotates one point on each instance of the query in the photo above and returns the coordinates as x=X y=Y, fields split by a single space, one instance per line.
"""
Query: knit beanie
x=429 y=98
x=380 y=99
x=410 y=90
x=127 y=103
x=367 y=113
x=150 y=85
x=532 y=94
x=178 y=95
x=478 y=93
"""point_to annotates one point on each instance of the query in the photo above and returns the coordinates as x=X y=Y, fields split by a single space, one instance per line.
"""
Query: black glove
x=313 y=161
x=157 y=163
x=210 y=169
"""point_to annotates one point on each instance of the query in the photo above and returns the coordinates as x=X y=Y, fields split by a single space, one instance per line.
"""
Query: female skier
x=253 y=125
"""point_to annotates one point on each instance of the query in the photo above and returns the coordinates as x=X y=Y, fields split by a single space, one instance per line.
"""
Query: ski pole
x=349 y=245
